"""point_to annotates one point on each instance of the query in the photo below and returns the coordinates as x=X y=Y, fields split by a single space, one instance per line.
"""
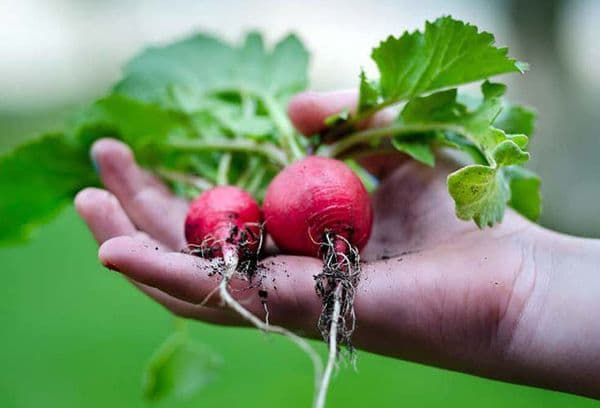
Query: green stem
x=356 y=118
x=278 y=116
x=254 y=182
x=223 y=171
x=248 y=104
x=267 y=150
x=243 y=179
x=193 y=181
x=366 y=136
x=284 y=126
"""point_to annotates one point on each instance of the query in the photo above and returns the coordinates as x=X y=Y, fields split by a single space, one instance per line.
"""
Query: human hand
x=434 y=289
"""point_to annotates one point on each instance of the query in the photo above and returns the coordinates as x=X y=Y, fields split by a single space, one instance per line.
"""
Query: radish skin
x=313 y=196
x=222 y=216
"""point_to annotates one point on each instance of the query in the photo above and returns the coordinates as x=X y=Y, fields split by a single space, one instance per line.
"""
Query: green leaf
x=480 y=193
x=516 y=119
x=179 y=368
x=368 y=93
x=440 y=107
x=200 y=66
x=509 y=153
x=37 y=179
x=288 y=67
x=195 y=63
x=525 y=195
x=136 y=123
x=459 y=142
x=418 y=150
x=448 y=53
x=245 y=89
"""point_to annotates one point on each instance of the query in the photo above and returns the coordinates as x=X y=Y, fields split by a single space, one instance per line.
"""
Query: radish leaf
x=179 y=368
x=480 y=193
x=36 y=180
x=448 y=53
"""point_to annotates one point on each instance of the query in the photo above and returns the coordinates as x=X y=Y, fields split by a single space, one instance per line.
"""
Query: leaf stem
x=338 y=148
x=267 y=150
x=194 y=181
x=223 y=171
x=283 y=125
x=277 y=114
x=242 y=180
x=350 y=124
x=254 y=182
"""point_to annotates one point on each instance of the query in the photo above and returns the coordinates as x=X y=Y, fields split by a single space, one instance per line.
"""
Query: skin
x=517 y=303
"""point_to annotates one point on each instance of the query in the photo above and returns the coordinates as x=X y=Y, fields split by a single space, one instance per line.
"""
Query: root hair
x=336 y=285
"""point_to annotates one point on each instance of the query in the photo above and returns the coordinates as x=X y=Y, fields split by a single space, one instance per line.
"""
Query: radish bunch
x=316 y=207
x=203 y=126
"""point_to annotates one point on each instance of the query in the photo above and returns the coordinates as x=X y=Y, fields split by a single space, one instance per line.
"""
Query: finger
x=308 y=110
x=288 y=282
x=149 y=204
x=189 y=310
x=103 y=214
x=106 y=219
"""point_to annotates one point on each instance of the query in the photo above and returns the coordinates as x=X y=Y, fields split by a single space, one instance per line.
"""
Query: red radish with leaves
x=225 y=222
x=318 y=207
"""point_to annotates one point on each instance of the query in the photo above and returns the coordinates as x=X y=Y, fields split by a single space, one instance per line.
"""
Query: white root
x=341 y=261
x=333 y=349
x=231 y=262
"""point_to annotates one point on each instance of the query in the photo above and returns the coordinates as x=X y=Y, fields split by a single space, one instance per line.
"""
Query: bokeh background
x=76 y=335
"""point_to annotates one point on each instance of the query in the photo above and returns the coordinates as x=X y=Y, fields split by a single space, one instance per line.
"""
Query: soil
x=338 y=270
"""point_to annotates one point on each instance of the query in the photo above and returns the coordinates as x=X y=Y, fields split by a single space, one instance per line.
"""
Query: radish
x=318 y=207
x=225 y=222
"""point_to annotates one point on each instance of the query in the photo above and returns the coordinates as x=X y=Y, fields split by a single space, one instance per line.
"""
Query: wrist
x=556 y=341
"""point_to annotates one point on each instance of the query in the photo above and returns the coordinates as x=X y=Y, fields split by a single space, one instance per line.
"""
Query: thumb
x=308 y=110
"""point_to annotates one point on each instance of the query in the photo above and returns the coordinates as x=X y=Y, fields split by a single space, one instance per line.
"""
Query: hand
x=516 y=302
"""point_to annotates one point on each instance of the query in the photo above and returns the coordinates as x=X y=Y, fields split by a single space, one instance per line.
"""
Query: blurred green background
x=77 y=335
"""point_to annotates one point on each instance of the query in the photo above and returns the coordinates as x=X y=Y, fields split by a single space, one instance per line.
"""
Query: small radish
x=318 y=207
x=225 y=222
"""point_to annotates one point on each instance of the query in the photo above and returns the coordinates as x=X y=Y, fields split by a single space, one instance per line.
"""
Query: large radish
x=318 y=207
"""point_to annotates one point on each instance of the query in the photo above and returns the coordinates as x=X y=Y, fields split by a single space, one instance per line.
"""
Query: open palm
x=433 y=289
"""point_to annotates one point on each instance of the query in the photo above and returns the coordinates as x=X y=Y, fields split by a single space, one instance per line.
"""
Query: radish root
x=336 y=286
x=333 y=350
x=231 y=264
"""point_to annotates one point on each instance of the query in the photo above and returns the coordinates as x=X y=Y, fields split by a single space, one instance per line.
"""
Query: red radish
x=223 y=218
x=225 y=222
x=318 y=207
x=315 y=196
